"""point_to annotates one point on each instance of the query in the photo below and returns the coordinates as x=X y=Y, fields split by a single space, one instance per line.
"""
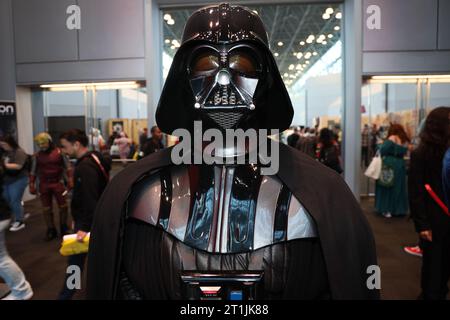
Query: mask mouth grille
x=223 y=96
x=225 y=119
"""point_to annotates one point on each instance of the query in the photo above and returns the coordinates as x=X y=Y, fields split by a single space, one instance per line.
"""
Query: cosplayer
x=49 y=169
x=198 y=231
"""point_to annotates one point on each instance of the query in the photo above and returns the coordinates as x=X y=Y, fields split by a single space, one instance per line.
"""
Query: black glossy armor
x=222 y=219
x=165 y=231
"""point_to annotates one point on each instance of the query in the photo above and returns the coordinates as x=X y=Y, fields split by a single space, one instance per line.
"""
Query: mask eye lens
x=204 y=63
x=243 y=62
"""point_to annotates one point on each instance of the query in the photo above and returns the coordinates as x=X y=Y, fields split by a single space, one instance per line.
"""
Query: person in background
x=365 y=142
x=431 y=222
x=90 y=176
x=48 y=169
x=390 y=191
x=446 y=177
x=327 y=151
x=9 y=270
x=143 y=135
x=373 y=140
x=16 y=164
x=154 y=143
x=96 y=141
x=124 y=144
x=308 y=142
x=293 y=138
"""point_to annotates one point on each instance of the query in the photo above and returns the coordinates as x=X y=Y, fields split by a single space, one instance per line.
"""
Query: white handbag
x=374 y=169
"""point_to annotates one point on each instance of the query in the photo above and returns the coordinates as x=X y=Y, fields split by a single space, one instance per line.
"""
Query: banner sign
x=8 y=120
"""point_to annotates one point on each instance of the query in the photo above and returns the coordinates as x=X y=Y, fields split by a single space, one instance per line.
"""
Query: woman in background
x=390 y=191
x=16 y=178
x=327 y=151
x=9 y=270
x=431 y=222
x=124 y=144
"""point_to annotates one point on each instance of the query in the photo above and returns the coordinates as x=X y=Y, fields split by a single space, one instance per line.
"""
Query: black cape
x=345 y=235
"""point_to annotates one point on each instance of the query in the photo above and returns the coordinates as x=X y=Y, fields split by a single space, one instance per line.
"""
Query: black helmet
x=224 y=75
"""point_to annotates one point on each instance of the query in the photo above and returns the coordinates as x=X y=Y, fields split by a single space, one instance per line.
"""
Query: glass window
x=100 y=110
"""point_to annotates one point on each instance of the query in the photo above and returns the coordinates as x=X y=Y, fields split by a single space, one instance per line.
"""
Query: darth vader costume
x=197 y=231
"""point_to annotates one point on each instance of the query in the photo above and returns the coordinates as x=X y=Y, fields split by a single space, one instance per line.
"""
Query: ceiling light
x=330 y=36
x=337 y=28
x=329 y=11
x=167 y=17
x=413 y=77
x=324 y=42
x=307 y=55
x=172 y=47
x=97 y=85
x=276 y=54
x=280 y=44
x=298 y=67
x=285 y=75
x=171 y=22
x=255 y=11
x=291 y=67
x=302 y=43
x=167 y=41
x=294 y=54
x=325 y=16
x=314 y=53
x=299 y=55
x=307 y=62
x=339 y=15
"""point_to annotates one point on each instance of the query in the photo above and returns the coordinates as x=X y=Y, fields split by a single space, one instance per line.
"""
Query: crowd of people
x=51 y=175
x=414 y=179
x=323 y=145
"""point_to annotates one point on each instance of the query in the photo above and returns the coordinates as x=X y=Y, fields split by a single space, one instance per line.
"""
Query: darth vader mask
x=224 y=75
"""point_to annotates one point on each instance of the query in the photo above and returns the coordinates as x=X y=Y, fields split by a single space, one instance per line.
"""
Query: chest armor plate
x=220 y=209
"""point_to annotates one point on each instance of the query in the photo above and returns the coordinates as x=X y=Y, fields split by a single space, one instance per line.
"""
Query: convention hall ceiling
x=299 y=34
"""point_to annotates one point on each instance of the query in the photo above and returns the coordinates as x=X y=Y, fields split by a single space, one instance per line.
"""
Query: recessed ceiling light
x=286 y=75
x=167 y=17
x=325 y=16
x=330 y=36
x=299 y=55
x=337 y=28
x=314 y=53
x=167 y=41
x=339 y=15
x=171 y=22
x=329 y=10
x=307 y=62
x=276 y=54
x=324 y=42
x=291 y=67
x=280 y=43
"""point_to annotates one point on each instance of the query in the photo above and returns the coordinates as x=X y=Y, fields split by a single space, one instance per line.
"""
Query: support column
x=352 y=20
